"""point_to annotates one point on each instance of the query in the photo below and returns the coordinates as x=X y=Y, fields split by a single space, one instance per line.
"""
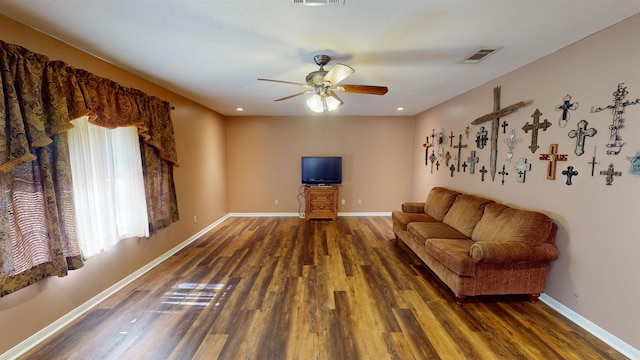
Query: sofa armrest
x=512 y=252
x=413 y=207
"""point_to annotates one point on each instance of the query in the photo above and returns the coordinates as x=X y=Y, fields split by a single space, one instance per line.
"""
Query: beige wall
x=596 y=275
x=264 y=160
x=201 y=187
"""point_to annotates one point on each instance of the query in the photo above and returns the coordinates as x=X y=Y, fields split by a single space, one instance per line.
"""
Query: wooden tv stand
x=321 y=202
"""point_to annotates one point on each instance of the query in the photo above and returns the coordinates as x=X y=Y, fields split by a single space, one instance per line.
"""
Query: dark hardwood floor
x=286 y=288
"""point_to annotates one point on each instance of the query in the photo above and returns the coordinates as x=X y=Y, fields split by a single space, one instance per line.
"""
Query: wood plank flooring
x=286 y=288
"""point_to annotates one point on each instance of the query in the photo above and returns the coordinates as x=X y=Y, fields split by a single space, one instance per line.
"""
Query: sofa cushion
x=439 y=201
x=403 y=218
x=429 y=230
x=465 y=213
x=454 y=254
x=502 y=223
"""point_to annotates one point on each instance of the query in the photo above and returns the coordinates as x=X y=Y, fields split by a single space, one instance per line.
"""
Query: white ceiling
x=213 y=51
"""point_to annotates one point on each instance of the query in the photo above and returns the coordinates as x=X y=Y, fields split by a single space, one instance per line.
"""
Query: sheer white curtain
x=108 y=185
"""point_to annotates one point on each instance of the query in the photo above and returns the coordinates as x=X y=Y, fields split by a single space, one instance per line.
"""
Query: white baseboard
x=52 y=328
x=621 y=346
x=624 y=348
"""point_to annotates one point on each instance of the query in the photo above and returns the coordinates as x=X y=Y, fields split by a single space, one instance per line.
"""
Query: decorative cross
x=552 y=157
x=635 y=164
x=610 y=173
x=442 y=138
x=437 y=165
x=565 y=107
x=618 y=122
x=593 y=160
x=482 y=172
x=451 y=137
x=569 y=173
x=459 y=147
x=426 y=146
x=504 y=126
x=580 y=134
x=467 y=131
x=522 y=166
x=447 y=157
x=432 y=158
x=503 y=173
x=534 y=129
x=481 y=138
x=452 y=168
x=464 y=166
x=511 y=142
x=473 y=160
x=494 y=117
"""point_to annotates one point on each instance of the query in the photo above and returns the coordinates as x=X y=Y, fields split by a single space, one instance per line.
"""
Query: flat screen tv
x=321 y=170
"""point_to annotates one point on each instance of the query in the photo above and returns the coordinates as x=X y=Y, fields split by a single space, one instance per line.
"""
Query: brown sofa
x=477 y=246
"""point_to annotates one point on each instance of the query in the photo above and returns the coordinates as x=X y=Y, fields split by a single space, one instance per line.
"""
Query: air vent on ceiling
x=318 y=2
x=480 y=54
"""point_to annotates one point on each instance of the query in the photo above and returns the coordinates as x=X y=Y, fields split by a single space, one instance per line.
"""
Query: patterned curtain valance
x=39 y=98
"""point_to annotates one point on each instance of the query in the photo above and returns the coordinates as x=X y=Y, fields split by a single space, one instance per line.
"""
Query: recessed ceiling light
x=239 y=109
x=400 y=108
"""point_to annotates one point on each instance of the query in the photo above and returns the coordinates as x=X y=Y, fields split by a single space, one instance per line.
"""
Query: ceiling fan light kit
x=323 y=84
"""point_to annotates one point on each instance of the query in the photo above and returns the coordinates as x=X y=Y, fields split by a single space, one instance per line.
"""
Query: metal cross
x=452 y=168
x=522 y=166
x=432 y=158
x=503 y=173
x=565 y=107
x=473 y=160
x=467 y=131
x=569 y=173
x=635 y=164
x=442 y=138
x=451 y=137
x=580 y=134
x=552 y=157
x=459 y=147
x=464 y=166
x=504 y=126
x=610 y=173
x=437 y=165
x=481 y=138
x=618 y=122
x=534 y=129
x=511 y=142
x=494 y=117
x=482 y=172
x=593 y=160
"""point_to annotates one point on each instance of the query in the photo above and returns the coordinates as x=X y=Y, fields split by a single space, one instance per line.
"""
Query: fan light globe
x=315 y=103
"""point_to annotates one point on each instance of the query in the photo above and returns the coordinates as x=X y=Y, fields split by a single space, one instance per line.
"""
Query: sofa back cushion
x=465 y=213
x=439 y=201
x=501 y=223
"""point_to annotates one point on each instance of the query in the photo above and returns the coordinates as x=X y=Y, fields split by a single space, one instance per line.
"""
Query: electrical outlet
x=195 y=219
x=276 y=201
x=359 y=201
x=344 y=201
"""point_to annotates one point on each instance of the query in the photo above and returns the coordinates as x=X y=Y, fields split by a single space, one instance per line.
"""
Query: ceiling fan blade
x=363 y=89
x=294 y=95
x=286 y=82
x=338 y=73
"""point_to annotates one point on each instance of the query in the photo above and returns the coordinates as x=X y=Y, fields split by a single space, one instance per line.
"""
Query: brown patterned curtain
x=38 y=99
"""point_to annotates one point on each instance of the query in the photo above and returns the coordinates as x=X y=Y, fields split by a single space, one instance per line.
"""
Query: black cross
x=464 y=166
x=570 y=173
x=503 y=173
x=504 y=126
x=483 y=171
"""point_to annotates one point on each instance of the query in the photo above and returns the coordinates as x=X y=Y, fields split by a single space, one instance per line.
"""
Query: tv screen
x=321 y=170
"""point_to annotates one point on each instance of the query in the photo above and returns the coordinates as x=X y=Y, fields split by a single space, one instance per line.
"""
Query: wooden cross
x=494 y=117
x=552 y=157
x=569 y=173
x=482 y=172
x=522 y=166
x=451 y=137
x=447 y=157
x=580 y=135
x=610 y=173
x=426 y=146
x=503 y=173
x=459 y=147
x=481 y=138
x=534 y=129
x=473 y=160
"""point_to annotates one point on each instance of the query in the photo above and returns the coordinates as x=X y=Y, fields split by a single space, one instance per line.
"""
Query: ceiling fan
x=324 y=85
